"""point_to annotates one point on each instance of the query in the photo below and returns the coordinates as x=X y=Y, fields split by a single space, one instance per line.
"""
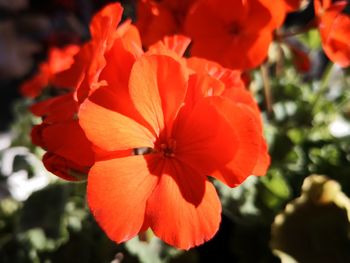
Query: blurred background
x=299 y=212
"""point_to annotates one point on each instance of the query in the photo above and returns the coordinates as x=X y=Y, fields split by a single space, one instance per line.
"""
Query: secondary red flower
x=334 y=26
x=69 y=153
x=58 y=60
x=157 y=19
x=234 y=33
x=167 y=188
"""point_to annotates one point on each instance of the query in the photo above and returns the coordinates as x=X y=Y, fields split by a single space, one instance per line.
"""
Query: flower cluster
x=146 y=128
x=238 y=33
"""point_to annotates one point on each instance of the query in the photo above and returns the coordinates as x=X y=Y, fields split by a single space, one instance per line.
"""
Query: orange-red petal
x=56 y=109
x=157 y=88
x=105 y=21
x=263 y=161
x=112 y=131
x=204 y=139
x=117 y=192
x=155 y=21
x=292 y=5
x=184 y=210
x=68 y=140
x=171 y=44
x=64 y=168
x=59 y=59
x=247 y=130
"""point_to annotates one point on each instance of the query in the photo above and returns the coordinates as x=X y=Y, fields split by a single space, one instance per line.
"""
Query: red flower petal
x=248 y=143
x=184 y=209
x=208 y=19
x=59 y=59
x=120 y=58
x=200 y=86
x=157 y=88
x=73 y=76
x=106 y=20
x=56 y=109
x=256 y=48
x=242 y=96
x=231 y=78
x=292 y=5
x=171 y=44
x=117 y=193
x=321 y=5
x=36 y=135
x=277 y=10
x=112 y=131
x=204 y=139
x=103 y=31
x=74 y=147
x=234 y=90
x=155 y=21
x=64 y=168
x=263 y=161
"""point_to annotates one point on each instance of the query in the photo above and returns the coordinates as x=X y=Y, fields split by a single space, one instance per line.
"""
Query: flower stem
x=267 y=89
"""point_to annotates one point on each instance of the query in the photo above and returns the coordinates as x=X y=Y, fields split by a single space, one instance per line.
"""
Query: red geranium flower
x=186 y=136
x=334 y=26
x=235 y=34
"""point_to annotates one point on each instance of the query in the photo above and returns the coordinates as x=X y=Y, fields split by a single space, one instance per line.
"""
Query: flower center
x=234 y=29
x=168 y=148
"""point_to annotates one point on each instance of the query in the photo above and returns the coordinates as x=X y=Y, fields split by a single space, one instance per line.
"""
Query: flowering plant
x=165 y=118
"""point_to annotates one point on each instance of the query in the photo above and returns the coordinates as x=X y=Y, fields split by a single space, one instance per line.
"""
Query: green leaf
x=152 y=251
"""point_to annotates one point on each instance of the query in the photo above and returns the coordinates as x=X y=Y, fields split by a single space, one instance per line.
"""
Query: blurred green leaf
x=275 y=190
x=151 y=251
x=311 y=39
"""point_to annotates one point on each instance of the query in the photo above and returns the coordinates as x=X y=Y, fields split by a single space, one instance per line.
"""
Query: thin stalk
x=267 y=89
x=324 y=85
